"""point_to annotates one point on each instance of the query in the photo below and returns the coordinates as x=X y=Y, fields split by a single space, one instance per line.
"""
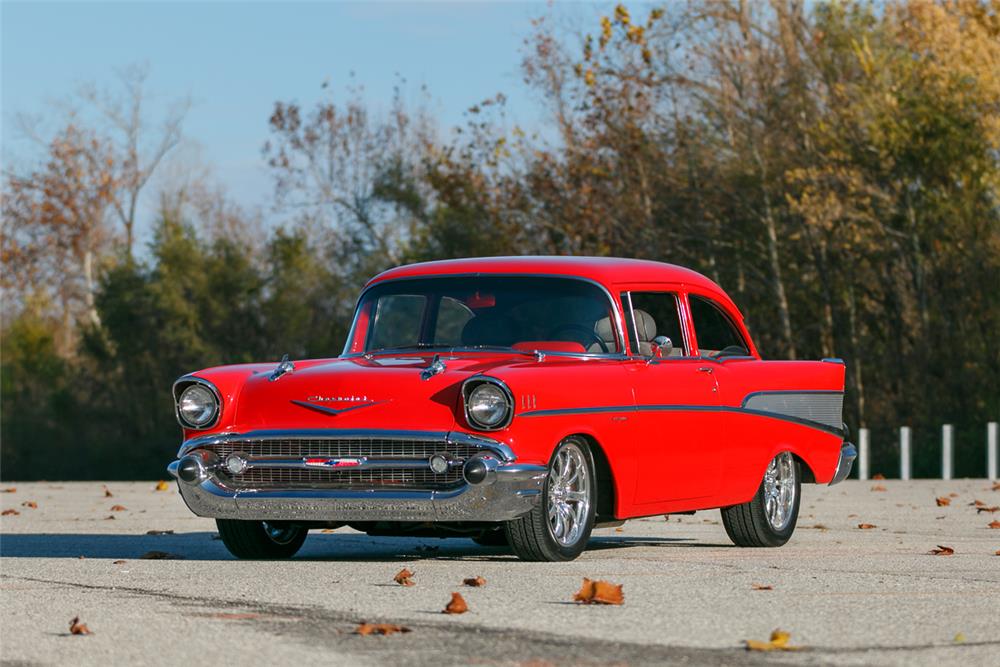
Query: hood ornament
x=284 y=366
x=437 y=366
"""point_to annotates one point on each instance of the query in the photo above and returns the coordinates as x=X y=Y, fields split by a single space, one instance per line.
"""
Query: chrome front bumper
x=847 y=455
x=509 y=491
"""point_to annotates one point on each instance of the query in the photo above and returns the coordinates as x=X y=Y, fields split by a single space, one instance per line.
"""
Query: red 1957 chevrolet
x=517 y=401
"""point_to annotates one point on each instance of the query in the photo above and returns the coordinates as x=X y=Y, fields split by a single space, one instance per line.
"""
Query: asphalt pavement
x=847 y=595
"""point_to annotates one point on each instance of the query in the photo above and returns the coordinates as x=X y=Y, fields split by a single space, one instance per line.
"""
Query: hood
x=378 y=393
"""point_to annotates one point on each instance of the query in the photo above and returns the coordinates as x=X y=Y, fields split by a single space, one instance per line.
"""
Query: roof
x=605 y=270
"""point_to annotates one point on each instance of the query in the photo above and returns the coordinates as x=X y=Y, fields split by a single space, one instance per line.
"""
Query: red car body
x=674 y=433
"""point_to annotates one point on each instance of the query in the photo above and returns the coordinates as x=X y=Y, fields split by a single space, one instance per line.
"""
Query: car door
x=677 y=430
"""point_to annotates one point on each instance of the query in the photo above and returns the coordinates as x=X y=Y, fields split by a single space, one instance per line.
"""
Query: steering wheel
x=731 y=351
x=588 y=334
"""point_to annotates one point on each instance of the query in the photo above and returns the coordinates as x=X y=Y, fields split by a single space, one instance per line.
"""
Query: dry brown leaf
x=404 y=578
x=9 y=489
x=941 y=550
x=996 y=486
x=997 y=553
x=878 y=475
x=30 y=504
x=778 y=642
x=878 y=487
x=599 y=592
x=10 y=512
x=475 y=582
x=159 y=532
x=365 y=629
x=110 y=517
x=118 y=562
x=619 y=529
x=107 y=492
x=762 y=587
x=456 y=606
x=943 y=501
x=987 y=509
x=160 y=555
x=161 y=486
x=867 y=526
x=118 y=508
x=78 y=628
x=818 y=526
x=994 y=524
x=977 y=503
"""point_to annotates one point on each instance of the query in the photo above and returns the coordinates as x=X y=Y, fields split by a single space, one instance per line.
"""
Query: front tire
x=261 y=540
x=768 y=520
x=558 y=528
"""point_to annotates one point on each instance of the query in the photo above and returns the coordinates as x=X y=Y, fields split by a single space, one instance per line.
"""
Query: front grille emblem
x=333 y=463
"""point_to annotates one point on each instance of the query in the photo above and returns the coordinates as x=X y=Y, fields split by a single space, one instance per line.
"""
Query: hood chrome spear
x=284 y=366
x=437 y=366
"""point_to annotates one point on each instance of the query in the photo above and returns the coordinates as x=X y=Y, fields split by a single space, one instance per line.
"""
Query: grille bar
x=398 y=463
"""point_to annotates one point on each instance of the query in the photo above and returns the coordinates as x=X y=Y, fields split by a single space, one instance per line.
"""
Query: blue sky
x=235 y=59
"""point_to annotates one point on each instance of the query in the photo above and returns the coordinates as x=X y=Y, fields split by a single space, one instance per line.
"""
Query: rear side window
x=655 y=314
x=715 y=331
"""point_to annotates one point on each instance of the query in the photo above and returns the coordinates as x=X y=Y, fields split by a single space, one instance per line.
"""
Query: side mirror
x=662 y=346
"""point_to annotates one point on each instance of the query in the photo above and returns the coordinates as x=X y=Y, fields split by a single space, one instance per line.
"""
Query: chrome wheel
x=281 y=533
x=568 y=496
x=779 y=491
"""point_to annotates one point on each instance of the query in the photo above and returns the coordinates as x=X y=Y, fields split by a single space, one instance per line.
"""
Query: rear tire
x=768 y=520
x=261 y=540
x=558 y=528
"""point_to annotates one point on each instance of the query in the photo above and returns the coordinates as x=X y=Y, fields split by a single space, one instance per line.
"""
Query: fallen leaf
x=365 y=629
x=997 y=553
x=778 y=642
x=404 y=578
x=457 y=605
x=762 y=587
x=987 y=509
x=475 y=582
x=878 y=487
x=953 y=495
x=942 y=551
x=160 y=555
x=959 y=638
x=977 y=503
x=996 y=486
x=599 y=592
x=878 y=475
x=30 y=504
x=867 y=526
x=942 y=501
x=619 y=529
x=9 y=489
x=161 y=486
x=107 y=492
x=78 y=628
x=118 y=562
x=110 y=517
x=159 y=532
x=118 y=508
x=818 y=526
x=852 y=516
x=994 y=524
x=10 y=512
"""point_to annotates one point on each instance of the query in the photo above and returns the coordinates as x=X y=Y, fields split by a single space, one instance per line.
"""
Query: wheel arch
x=607 y=492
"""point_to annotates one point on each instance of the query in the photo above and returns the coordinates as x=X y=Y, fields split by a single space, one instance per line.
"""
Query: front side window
x=524 y=313
x=655 y=314
x=715 y=331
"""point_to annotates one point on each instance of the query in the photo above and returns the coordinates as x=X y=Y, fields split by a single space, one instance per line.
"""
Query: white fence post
x=991 y=450
x=863 y=453
x=904 y=452
x=947 y=439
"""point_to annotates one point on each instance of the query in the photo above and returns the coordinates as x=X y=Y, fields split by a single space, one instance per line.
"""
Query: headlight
x=488 y=404
x=197 y=406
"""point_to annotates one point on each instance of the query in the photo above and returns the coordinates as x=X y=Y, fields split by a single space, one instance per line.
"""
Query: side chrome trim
x=190 y=379
x=505 y=453
x=685 y=408
x=847 y=455
x=823 y=407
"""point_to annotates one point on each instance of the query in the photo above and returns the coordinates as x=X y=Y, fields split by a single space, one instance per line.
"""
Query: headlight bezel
x=474 y=383
x=185 y=383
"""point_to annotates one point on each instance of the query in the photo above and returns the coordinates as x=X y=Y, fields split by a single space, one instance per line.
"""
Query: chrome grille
x=350 y=478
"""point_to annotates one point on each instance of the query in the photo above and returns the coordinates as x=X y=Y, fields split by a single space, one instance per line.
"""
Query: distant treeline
x=835 y=168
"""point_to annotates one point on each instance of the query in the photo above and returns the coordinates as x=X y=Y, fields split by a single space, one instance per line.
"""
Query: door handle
x=705 y=369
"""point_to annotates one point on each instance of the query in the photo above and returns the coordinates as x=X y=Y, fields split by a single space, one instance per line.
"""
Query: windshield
x=522 y=313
